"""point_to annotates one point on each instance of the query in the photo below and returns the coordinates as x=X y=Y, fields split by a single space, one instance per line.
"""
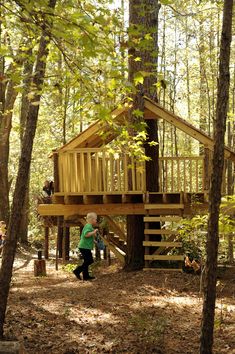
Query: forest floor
x=118 y=312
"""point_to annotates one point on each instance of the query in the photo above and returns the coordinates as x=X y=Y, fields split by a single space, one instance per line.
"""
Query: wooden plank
x=191 y=175
x=185 y=177
x=160 y=257
x=166 y=175
x=115 y=228
x=104 y=170
x=90 y=176
x=75 y=158
x=60 y=167
x=161 y=175
x=119 y=182
x=178 y=176
x=82 y=172
x=197 y=177
x=100 y=209
x=118 y=253
x=163 y=206
x=163 y=269
x=161 y=244
x=125 y=165
x=133 y=177
x=162 y=218
x=160 y=232
x=111 y=161
x=97 y=173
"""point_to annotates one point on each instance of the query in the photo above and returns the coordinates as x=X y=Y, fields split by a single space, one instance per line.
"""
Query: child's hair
x=91 y=216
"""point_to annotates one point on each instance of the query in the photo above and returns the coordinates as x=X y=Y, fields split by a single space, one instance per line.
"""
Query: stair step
x=163 y=269
x=117 y=251
x=162 y=244
x=163 y=206
x=162 y=218
x=160 y=232
x=155 y=257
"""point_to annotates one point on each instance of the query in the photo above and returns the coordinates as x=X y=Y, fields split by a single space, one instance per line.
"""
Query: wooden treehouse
x=89 y=177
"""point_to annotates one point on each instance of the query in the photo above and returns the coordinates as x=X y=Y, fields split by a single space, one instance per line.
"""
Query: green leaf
x=138 y=78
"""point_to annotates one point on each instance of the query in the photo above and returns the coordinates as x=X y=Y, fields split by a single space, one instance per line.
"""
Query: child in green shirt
x=86 y=245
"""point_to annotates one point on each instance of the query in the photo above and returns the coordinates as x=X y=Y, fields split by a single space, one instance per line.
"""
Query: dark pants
x=87 y=260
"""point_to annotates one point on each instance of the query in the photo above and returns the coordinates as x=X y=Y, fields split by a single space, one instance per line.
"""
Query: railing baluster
x=111 y=173
x=89 y=171
x=82 y=171
x=125 y=164
x=178 y=176
x=191 y=175
x=104 y=170
x=96 y=172
x=133 y=174
x=166 y=175
x=197 y=176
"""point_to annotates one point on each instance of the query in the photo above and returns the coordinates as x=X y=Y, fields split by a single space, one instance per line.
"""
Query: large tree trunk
x=216 y=181
x=143 y=19
x=24 y=167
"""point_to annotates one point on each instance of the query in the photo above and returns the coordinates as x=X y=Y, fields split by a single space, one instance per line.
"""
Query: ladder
x=158 y=242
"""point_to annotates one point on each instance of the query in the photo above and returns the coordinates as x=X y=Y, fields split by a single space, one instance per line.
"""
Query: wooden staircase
x=160 y=238
x=116 y=240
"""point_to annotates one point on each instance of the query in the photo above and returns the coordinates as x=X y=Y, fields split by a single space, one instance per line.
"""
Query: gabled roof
x=91 y=137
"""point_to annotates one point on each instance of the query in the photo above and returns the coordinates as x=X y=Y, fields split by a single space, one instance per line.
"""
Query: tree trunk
x=5 y=128
x=27 y=73
x=143 y=19
x=216 y=181
x=24 y=167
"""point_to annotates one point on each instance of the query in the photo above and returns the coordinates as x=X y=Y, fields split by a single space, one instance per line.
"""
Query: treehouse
x=88 y=176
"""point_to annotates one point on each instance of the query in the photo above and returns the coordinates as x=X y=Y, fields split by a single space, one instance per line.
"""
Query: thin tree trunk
x=216 y=182
x=27 y=73
x=5 y=129
x=24 y=167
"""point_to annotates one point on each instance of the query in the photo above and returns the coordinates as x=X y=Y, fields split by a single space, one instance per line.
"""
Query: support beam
x=46 y=242
x=100 y=209
x=67 y=243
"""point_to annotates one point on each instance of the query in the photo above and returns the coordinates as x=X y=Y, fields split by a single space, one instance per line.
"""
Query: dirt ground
x=119 y=312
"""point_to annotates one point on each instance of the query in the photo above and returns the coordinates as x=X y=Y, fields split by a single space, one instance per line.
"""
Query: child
x=86 y=245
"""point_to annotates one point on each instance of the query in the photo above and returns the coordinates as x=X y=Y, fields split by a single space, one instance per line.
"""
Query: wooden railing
x=97 y=171
x=181 y=174
x=93 y=170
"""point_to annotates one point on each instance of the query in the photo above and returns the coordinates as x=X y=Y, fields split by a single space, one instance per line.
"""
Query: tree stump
x=11 y=347
x=39 y=267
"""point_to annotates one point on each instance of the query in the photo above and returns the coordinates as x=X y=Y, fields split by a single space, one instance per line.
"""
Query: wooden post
x=67 y=243
x=46 y=243
x=60 y=233
x=56 y=172
x=59 y=223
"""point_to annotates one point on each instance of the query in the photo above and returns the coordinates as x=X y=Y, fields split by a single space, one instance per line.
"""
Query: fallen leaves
x=119 y=312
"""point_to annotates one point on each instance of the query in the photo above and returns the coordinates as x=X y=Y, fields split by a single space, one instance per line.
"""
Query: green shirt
x=86 y=242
